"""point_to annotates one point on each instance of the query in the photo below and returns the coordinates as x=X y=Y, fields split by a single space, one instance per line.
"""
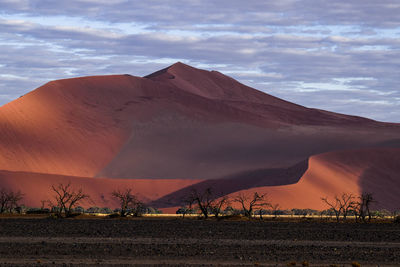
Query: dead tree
x=15 y=197
x=217 y=205
x=184 y=210
x=66 y=198
x=341 y=205
x=129 y=203
x=203 y=200
x=362 y=209
x=335 y=206
x=3 y=200
x=9 y=199
x=250 y=203
x=188 y=207
x=274 y=208
x=347 y=203
x=208 y=202
x=43 y=204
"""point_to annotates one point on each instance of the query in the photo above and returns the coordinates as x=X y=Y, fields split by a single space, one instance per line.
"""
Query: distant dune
x=353 y=172
x=187 y=125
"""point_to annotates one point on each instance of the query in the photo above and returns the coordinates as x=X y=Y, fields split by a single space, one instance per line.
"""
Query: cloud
x=370 y=13
x=307 y=51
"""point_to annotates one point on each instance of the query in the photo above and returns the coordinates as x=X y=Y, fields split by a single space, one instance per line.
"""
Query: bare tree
x=274 y=208
x=341 y=205
x=347 y=203
x=203 y=200
x=218 y=205
x=66 y=198
x=250 y=203
x=367 y=199
x=15 y=197
x=188 y=207
x=129 y=203
x=184 y=210
x=334 y=206
x=362 y=207
x=3 y=200
x=208 y=202
x=9 y=199
x=43 y=204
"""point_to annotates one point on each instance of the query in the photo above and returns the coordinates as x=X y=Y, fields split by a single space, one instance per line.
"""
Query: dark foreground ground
x=192 y=242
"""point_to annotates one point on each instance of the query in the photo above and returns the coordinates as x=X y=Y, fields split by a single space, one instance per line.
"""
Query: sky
x=341 y=55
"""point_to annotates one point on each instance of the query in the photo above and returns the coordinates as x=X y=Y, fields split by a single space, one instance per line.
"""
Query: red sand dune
x=218 y=127
x=177 y=123
x=198 y=125
x=37 y=187
x=368 y=170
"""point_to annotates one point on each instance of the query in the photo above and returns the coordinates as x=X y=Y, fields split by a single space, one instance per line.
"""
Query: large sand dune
x=179 y=123
x=354 y=172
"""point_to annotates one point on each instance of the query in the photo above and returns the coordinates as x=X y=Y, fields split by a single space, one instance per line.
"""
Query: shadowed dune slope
x=37 y=187
x=237 y=182
x=367 y=170
x=223 y=128
x=176 y=146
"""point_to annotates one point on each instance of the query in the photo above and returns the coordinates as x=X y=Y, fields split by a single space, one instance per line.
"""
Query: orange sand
x=37 y=187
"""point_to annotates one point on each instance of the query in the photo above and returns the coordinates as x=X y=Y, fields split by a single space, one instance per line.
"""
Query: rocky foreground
x=192 y=242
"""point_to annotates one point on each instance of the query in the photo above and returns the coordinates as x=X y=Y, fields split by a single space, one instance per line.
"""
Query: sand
x=183 y=125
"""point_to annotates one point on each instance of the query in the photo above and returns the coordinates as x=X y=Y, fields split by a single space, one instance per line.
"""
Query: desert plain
x=194 y=242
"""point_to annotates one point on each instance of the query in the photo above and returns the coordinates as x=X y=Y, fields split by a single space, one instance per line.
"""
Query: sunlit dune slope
x=37 y=187
x=66 y=127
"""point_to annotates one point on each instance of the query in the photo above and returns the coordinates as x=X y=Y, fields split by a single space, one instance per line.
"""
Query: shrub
x=113 y=215
x=93 y=210
x=106 y=210
x=37 y=211
x=79 y=209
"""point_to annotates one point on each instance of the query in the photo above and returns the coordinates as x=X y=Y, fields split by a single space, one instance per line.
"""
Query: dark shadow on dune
x=236 y=182
x=384 y=184
x=395 y=143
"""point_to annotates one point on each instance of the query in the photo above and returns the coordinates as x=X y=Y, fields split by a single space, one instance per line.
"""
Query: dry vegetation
x=204 y=204
x=234 y=238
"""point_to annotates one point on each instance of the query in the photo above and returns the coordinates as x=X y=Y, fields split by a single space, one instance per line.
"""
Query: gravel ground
x=192 y=242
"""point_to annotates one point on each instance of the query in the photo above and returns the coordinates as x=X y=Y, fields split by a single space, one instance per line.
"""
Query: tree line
x=66 y=200
x=349 y=204
x=205 y=203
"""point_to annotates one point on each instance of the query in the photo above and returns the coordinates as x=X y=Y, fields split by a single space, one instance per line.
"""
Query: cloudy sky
x=338 y=55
